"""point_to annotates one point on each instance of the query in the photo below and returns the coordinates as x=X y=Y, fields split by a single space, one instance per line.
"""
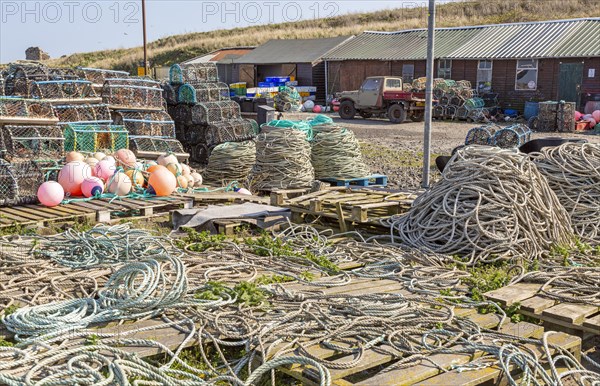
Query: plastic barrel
x=531 y=109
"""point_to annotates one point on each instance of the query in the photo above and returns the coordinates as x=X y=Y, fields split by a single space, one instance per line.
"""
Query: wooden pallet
x=574 y=318
x=101 y=210
x=375 y=179
x=344 y=206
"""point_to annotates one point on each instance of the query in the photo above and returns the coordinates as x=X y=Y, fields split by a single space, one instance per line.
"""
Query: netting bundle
x=490 y=204
x=282 y=160
x=93 y=138
x=482 y=135
x=512 y=136
x=203 y=92
x=131 y=93
x=63 y=89
x=336 y=153
x=573 y=173
x=25 y=108
x=32 y=142
x=86 y=113
x=153 y=147
x=19 y=182
x=233 y=130
x=230 y=161
x=98 y=76
x=193 y=73
x=146 y=123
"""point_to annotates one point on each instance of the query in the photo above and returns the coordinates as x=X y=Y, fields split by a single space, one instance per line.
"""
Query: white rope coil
x=230 y=161
x=336 y=153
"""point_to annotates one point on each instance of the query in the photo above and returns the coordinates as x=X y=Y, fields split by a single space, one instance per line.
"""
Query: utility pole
x=144 y=28
x=428 y=95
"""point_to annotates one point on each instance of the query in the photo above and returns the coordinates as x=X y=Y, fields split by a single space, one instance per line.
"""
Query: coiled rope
x=230 y=161
x=336 y=153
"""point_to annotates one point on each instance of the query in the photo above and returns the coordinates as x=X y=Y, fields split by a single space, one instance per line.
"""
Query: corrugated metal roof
x=562 y=38
x=291 y=51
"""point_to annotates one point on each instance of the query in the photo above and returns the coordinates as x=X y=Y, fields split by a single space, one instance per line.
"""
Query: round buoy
x=578 y=115
x=136 y=177
x=185 y=169
x=154 y=168
x=166 y=159
x=72 y=175
x=592 y=123
x=119 y=184
x=92 y=187
x=99 y=155
x=317 y=109
x=75 y=156
x=105 y=169
x=190 y=180
x=50 y=193
x=182 y=182
x=125 y=158
x=92 y=162
x=175 y=169
x=596 y=115
x=244 y=191
x=197 y=179
x=163 y=182
x=111 y=159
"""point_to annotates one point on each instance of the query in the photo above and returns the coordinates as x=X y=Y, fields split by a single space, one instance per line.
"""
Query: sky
x=70 y=26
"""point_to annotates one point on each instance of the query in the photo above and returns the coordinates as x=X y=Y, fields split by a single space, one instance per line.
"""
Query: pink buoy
x=125 y=158
x=92 y=187
x=50 y=193
x=596 y=115
x=317 y=109
x=105 y=169
x=244 y=191
x=119 y=184
x=592 y=122
x=72 y=175
x=578 y=115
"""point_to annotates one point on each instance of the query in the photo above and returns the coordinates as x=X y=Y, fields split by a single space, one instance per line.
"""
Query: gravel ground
x=396 y=150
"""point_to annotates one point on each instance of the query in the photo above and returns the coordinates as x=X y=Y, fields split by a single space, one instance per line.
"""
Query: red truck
x=382 y=95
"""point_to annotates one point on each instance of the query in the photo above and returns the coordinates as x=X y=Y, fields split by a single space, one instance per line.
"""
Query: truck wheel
x=418 y=116
x=397 y=114
x=347 y=110
x=365 y=115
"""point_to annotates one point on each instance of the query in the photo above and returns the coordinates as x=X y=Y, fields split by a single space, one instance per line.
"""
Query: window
x=484 y=76
x=527 y=73
x=393 y=83
x=445 y=68
x=371 y=85
x=408 y=73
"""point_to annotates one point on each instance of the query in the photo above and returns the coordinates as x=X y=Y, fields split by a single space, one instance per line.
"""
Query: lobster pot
x=19 y=182
x=462 y=112
x=170 y=93
x=482 y=135
x=457 y=100
x=133 y=93
x=464 y=84
x=93 y=138
x=235 y=130
x=29 y=108
x=439 y=112
x=406 y=87
x=32 y=142
x=474 y=103
x=152 y=147
x=203 y=92
x=98 y=76
x=212 y=112
x=63 y=89
x=565 y=116
x=146 y=123
x=547 y=116
x=193 y=73
x=511 y=137
x=21 y=76
x=86 y=113
x=1 y=84
x=419 y=84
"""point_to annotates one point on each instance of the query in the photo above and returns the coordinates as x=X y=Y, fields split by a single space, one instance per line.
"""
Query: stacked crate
x=204 y=114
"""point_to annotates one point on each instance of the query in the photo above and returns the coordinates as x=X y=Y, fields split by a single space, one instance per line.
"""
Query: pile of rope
x=336 y=153
x=230 y=161
x=490 y=204
x=573 y=173
x=282 y=160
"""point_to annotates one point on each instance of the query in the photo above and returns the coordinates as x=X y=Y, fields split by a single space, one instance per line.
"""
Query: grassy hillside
x=174 y=49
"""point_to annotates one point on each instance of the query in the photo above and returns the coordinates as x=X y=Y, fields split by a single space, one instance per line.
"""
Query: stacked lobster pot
x=455 y=99
x=137 y=105
x=507 y=137
x=204 y=114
